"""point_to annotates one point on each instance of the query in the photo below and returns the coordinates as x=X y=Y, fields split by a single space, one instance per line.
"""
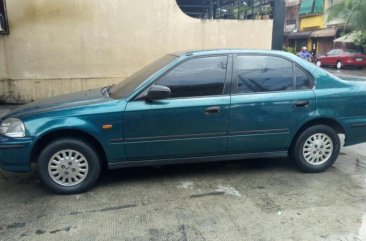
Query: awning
x=311 y=7
x=336 y=22
x=348 y=38
x=318 y=6
x=300 y=35
x=324 y=33
x=306 y=7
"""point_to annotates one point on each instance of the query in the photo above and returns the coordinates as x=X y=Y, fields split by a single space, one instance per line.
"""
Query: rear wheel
x=339 y=65
x=316 y=149
x=68 y=166
x=318 y=63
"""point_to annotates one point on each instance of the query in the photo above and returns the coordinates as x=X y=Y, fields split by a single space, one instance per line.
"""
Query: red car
x=341 y=58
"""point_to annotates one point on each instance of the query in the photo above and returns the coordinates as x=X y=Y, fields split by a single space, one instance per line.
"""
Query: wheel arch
x=62 y=133
x=335 y=125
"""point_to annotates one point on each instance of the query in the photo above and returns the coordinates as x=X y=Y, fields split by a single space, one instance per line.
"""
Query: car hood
x=77 y=99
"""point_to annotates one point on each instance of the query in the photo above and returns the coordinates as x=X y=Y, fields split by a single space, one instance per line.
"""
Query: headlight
x=12 y=127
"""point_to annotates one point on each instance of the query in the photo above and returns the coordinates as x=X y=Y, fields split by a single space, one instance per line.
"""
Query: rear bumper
x=15 y=154
x=354 y=63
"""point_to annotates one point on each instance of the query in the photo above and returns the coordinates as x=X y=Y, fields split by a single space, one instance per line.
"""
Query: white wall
x=60 y=46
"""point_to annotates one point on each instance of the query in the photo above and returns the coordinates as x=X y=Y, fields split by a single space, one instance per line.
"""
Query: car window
x=263 y=73
x=197 y=77
x=332 y=52
x=353 y=51
x=127 y=86
x=303 y=81
x=339 y=52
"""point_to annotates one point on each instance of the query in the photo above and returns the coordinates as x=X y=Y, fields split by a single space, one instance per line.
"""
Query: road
x=265 y=199
x=356 y=73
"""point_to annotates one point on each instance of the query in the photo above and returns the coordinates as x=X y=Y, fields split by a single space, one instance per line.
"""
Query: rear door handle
x=212 y=110
x=303 y=103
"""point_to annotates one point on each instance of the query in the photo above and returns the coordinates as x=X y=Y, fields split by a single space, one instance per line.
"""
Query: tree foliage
x=352 y=11
x=361 y=40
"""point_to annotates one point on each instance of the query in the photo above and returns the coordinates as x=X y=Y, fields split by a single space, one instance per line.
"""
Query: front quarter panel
x=88 y=119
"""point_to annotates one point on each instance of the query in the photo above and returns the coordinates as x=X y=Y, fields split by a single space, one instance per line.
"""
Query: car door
x=334 y=57
x=192 y=122
x=271 y=98
x=327 y=60
x=337 y=56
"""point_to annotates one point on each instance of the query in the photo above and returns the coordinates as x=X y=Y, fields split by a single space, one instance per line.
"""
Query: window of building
x=227 y=9
x=264 y=73
x=3 y=18
x=197 y=77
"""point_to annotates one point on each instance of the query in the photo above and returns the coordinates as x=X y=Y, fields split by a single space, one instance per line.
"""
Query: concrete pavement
x=243 y=200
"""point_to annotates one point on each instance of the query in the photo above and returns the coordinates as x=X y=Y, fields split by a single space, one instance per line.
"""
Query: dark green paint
x=247 y=124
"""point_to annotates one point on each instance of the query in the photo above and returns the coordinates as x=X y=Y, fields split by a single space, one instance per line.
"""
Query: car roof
x=229 y=51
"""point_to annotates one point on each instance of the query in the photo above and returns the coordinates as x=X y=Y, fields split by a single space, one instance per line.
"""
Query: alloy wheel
x=317 y=149
x=68 y=167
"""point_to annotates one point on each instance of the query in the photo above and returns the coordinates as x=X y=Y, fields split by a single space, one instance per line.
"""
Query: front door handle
x=212 y=110
x=303 y=103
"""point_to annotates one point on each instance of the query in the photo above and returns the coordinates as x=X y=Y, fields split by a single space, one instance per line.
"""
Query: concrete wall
x=60 y=46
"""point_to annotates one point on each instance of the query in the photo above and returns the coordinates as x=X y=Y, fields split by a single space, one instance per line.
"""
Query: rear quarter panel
x=345 y=102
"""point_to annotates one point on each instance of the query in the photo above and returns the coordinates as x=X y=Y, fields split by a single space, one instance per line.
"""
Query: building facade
x=60 y=46
x=312 y=30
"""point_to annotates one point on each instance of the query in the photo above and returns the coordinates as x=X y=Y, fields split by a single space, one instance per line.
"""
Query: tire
x=339 y=65
x=61 y=157
x=318 y=63
x=316 y=149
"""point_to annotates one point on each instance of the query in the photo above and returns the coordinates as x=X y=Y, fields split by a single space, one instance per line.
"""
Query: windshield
x=127 y=86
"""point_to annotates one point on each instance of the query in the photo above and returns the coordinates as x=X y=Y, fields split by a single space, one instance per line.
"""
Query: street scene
x=183 y=120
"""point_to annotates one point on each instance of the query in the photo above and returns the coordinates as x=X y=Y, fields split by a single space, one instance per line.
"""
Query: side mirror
x=158 y=92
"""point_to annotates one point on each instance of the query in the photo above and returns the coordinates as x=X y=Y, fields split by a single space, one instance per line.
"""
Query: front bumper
x=15 y=154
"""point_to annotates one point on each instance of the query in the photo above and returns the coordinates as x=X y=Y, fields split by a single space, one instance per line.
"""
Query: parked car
x=341 y=58
x=189 y=107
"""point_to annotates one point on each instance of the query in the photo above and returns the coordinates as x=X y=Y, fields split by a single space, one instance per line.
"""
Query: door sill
x=185 y=160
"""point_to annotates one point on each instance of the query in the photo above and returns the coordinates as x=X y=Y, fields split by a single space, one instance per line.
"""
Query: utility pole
x=211 y=10
x=4 y=26
x=278 y=24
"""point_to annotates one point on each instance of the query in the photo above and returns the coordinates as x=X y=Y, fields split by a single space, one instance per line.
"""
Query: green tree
x=352 y=11
x=361 y=40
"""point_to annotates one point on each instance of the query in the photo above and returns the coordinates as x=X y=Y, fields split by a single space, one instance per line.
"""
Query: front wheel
x=316 y=149
x=68 y=166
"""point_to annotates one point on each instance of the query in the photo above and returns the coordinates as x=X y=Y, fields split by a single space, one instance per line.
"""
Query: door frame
x=234 y=81
x=227 y=84
x=138 y=97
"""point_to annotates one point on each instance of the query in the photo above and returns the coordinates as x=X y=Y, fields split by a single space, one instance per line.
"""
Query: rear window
x=263 y=74
x=353 y=51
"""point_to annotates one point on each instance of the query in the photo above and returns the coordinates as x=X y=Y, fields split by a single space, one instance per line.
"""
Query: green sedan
x=199 y=106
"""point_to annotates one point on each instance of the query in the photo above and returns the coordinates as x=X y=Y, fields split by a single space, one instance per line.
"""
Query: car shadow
x=13 y=183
